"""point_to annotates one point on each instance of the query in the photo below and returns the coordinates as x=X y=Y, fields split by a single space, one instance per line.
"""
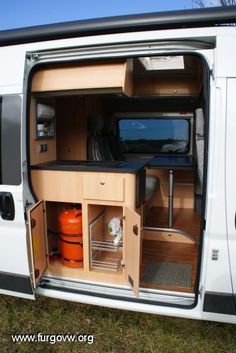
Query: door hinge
x=32 y=223
x=36 y=273
x=131 y=281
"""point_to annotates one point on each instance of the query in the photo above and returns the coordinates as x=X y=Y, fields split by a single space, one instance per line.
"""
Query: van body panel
x=216 y=270
x=14 y=266
x=230 y=177
x=225 y=64
x=195 y=313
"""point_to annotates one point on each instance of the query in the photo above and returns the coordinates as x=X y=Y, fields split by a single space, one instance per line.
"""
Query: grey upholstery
x=200 y=161
x=199 y=140
x=98 y=143
x=151 y=185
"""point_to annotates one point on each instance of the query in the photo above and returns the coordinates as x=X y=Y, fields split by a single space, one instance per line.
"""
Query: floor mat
x=168 y=273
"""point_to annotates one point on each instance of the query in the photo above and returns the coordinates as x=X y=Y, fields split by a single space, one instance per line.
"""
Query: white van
x=117 y=163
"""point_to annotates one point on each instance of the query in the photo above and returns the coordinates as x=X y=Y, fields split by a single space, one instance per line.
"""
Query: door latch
x=7 y=207
x=215 y=254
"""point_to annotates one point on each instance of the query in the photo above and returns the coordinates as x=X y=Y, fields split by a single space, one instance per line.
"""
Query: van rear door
x=15 y=276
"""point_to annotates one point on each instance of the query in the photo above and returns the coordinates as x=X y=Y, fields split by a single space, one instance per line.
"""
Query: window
x=10 y=148
x=154 y=135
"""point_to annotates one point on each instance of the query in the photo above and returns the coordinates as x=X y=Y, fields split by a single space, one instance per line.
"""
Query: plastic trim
x=15 y=283
x=140 y=22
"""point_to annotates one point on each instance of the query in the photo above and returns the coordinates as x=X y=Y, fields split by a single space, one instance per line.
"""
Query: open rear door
x=132 y=247
x=37 y=240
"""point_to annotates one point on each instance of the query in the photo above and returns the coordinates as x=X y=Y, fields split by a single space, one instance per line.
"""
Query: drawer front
x=108 y=187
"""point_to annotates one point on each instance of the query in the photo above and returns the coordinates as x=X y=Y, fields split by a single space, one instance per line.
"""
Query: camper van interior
x=121 y=144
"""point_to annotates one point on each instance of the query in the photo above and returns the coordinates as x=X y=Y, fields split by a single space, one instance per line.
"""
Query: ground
x=114 y=331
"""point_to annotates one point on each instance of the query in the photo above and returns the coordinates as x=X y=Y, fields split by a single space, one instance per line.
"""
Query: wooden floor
x=161 y=251
x=186 y=220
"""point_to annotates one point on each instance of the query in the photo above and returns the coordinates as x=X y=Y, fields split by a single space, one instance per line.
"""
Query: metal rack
x=104 y=255
x=106 y=261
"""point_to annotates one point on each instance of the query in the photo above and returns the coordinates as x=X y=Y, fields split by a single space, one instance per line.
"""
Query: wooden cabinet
x=168 y=86
x=86 y=77
x=102 y=197
x=73 y=186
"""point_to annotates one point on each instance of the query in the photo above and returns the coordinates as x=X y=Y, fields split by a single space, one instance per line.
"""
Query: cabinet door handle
x=135 y=229
x=102 y=182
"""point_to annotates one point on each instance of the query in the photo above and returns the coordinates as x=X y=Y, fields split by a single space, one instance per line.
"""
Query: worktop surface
x=132 y=166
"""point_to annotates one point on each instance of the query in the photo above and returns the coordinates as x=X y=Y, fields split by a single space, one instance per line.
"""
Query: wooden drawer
x=107 y=187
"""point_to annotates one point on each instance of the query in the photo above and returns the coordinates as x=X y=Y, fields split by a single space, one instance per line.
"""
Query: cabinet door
x=132 y=247
x=37 y=240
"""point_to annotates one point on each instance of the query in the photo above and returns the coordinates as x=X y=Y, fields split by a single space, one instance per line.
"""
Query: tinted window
x=10 y=149
x=164 y=135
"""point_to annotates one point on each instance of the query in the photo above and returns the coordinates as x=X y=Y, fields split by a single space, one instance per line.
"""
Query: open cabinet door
x=132 y=247
x=37 y=240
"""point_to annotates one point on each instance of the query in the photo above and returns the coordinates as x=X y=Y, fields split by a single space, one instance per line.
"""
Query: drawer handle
x=102 y=182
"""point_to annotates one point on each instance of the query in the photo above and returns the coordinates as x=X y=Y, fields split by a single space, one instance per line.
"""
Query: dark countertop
x=171 y=162
x=133 y=166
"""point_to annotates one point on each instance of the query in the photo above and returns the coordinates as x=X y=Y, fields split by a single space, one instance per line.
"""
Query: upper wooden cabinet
x=104 y=77
x=184 y=81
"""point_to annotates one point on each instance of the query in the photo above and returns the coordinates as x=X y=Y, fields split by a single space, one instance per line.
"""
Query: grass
x=114 y=331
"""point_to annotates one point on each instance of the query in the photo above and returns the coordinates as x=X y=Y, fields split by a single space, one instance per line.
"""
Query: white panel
x=226 y=54
x=231 y=175
x=13 y=245
x=12 y=67
x=216 y=273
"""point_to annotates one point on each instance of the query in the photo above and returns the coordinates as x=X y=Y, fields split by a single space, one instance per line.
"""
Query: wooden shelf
x=56 y=268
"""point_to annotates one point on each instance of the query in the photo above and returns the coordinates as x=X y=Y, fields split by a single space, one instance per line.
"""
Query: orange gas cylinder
x=70 y=228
